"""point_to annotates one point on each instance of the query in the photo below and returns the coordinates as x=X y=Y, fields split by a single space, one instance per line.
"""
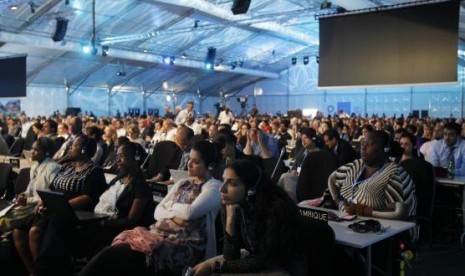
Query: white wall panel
x=44 y=100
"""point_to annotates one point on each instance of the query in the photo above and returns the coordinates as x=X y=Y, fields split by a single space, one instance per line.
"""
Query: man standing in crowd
x=185 y=113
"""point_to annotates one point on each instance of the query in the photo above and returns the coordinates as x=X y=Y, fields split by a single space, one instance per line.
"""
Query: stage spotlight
x=86 y=49
x=166 y=60
x=172 y=58
x=104 y=51
x=306 y=60
x=208 y=66
x=233 y=65
x=294 y=61
x=241 y=64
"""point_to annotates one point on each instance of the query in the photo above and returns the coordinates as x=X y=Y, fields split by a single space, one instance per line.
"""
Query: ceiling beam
x=33 y=74
x=225 y=16
x=85 y=75
x=34 y=40
x=40 y=11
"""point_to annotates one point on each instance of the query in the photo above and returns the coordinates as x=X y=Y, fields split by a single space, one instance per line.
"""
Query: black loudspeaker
x=60 y=31
x=416 y=114
x=240 y=6
x=73 y=111
x=424 y=113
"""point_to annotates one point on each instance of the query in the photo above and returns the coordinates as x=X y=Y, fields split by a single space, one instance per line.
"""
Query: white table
x=458 y=181
x=23 y=163
x=347 y=237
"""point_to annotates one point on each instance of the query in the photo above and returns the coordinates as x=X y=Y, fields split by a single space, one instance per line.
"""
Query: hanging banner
x=10 y=106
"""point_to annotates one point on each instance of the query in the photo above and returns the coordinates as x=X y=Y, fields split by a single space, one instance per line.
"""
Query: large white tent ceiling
x=140 y=33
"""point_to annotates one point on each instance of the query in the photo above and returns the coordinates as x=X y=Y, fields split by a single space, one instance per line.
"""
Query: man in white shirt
x=185 y=113
x=438 y=132
x=167 y=132
x=226 y=117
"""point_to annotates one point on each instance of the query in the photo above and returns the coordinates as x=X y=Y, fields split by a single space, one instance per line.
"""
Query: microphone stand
x=283 y=151
x=148 y=156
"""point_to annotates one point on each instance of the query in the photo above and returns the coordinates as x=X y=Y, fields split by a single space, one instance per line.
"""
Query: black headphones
x=252 y=191
x=137 y=154
x=364 y=226
x=84 y=148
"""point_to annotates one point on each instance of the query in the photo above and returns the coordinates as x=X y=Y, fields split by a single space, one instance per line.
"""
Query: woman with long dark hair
x=260 y=218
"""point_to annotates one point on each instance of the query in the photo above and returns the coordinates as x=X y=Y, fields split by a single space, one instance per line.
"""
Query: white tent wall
x=297 y=89
x=43 y=100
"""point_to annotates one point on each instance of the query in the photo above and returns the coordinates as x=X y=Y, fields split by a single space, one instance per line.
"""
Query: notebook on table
x=57 y=204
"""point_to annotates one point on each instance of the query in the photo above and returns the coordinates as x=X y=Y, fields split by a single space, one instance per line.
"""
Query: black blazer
x=345 y=153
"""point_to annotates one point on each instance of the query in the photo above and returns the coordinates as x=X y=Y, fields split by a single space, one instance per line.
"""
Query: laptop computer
x=177 y=175
x=58 y=205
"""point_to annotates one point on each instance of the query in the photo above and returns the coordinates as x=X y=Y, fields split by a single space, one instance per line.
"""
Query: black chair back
x=5 y=178
x=314 y=174
x=22 y=180
x=166 y=155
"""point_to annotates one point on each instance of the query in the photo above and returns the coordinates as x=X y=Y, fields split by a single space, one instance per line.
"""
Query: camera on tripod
x=242 y=101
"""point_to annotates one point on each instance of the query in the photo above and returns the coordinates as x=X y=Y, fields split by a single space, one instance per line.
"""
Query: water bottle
x=451 y=169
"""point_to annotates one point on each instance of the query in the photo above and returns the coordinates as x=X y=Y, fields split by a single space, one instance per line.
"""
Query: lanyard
x=358 y=182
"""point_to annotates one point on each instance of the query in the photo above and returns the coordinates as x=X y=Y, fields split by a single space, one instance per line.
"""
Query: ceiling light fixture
x=105 y=50
x=210 y=58
x=294 y=61
x=306 y=60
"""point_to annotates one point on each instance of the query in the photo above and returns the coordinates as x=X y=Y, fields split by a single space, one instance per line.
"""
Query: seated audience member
x=288 y=181
x=128 y=203
x=102 y=150
x=260 y=218
x=167 y=132
x=133 y=135
x=184 y=233
x=42 y=174
x=75 y=127
x=341 y=148
x=261 y=144
x=177 y=154
x=80 y=180
x=110 y=165
x=452 y=147
x=373 y=186
x=409 y=150
x=438 y=133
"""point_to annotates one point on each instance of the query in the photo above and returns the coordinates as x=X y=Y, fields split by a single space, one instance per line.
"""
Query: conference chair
x=22 y=180
x=5 y=178
x=166 y=155
x=422 y=174
x=313 y=177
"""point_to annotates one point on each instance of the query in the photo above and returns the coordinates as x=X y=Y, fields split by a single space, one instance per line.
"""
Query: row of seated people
x=335 y=196
x=183 y=234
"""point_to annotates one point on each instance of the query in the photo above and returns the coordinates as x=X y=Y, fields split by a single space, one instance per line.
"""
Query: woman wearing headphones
x=81 y=181
x=374 y=186
x=41 y=175
x=260 y=218
x=184 y=232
